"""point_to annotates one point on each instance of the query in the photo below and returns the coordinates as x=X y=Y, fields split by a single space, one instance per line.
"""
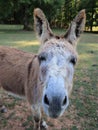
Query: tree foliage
x=91 y=7
x=58 y=12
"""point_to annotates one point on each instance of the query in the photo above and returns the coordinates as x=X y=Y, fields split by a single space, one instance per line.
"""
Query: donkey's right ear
x=76 y=28
x=42 y=27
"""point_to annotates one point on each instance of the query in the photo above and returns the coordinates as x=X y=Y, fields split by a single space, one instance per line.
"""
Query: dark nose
x=64 y=101
x=55 y=105
x=46 y=100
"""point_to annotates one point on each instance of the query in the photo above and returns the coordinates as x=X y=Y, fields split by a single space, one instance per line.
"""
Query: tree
x=58 y=12
x=91 y=10
x=6 y=9
x=21 y=11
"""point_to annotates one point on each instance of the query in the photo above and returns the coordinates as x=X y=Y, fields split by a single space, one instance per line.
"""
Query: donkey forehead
x=59 y=47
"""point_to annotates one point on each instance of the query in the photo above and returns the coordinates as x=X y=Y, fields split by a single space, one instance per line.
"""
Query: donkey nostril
x=46 y=101
x=65 y=101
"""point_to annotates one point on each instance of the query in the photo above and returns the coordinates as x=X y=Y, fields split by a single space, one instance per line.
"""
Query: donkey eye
x=42 y=57
x=73 y=60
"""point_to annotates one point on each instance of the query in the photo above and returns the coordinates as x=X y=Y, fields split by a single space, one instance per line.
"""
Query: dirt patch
x=19 y=117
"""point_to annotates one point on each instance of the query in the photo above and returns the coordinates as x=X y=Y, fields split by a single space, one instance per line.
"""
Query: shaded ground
x=82 y=113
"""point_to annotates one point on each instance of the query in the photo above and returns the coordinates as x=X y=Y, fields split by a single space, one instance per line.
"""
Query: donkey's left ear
x=42 y=27
x=76 y=28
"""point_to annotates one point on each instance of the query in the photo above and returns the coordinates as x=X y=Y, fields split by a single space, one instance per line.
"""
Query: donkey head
x=57 y=58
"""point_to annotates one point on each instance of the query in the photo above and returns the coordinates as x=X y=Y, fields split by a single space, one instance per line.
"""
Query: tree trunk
x=26 y=26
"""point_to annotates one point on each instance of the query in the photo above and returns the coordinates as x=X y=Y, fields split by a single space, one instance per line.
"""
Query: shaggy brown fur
x=18 y=70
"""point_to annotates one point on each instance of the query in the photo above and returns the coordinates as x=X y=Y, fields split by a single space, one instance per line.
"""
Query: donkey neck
x=33 y=84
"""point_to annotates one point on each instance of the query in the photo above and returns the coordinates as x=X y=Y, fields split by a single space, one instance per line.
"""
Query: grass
x=82 y=113
x=10 y=27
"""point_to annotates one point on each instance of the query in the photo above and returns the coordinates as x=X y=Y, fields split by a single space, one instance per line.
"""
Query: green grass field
x=82 y=113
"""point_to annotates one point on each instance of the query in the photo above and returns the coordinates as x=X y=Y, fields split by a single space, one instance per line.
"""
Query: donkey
x=44 y=79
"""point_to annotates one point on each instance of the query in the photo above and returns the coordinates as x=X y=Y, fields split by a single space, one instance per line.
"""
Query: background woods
x=59 y=13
